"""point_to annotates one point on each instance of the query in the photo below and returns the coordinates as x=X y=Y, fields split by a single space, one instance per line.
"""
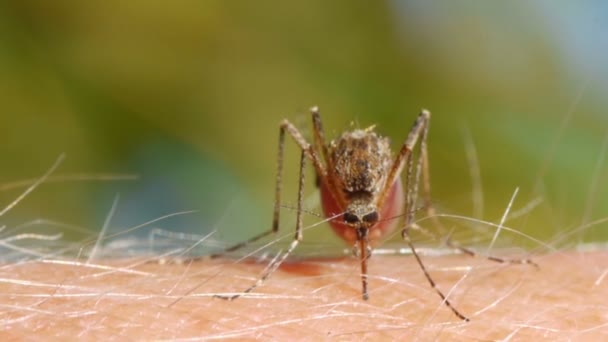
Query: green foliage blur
x=189 y=95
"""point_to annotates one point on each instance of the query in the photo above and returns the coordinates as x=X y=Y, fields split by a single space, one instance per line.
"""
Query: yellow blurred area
x=189 y=95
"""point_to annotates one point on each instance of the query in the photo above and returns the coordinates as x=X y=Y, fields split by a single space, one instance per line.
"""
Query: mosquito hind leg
x=524 y=261
x=423 y=171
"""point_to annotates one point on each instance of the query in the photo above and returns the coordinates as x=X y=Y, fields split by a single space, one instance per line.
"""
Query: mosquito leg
x=450 y=243
x=422 y=169
x=404 y=156
x=277 y=201
x=298 y=237
x=406 y=237
x=319 y=136
x=410 y=196
x=307 y=151
x=320 y=144
x=419 y=130
x=241 y=244
x=472 y=253
x=424 y=231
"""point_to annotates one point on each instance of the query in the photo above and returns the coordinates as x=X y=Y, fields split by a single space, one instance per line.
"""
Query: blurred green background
x=189 y=96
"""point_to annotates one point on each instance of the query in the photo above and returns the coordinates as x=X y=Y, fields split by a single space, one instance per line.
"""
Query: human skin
x=307 y=299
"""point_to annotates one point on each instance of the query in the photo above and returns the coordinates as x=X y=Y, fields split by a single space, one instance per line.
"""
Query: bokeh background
x=188 y=95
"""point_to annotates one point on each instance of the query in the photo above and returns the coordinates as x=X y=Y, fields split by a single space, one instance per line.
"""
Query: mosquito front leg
x=297 y=238
x=404 y=156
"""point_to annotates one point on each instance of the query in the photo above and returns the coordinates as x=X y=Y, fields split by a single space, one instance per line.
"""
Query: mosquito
x=361 y=188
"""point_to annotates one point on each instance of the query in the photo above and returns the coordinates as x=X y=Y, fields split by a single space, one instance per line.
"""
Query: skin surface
x=307 y=300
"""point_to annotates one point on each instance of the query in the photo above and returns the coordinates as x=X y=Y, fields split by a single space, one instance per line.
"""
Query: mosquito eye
x=350 y=218
x=371 y=217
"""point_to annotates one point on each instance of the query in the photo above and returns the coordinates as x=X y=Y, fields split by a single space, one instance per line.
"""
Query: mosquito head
x=366 y=220
x=361 y=214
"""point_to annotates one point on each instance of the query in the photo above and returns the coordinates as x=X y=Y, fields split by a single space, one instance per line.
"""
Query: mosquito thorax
x=360 y=160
